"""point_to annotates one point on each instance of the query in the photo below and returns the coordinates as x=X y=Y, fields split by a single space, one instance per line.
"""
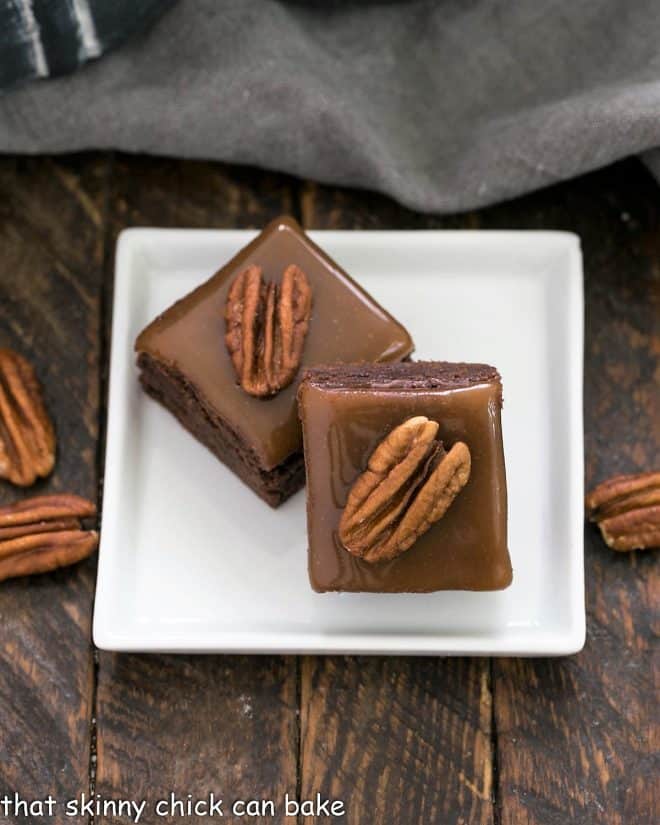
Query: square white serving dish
x=192 y=561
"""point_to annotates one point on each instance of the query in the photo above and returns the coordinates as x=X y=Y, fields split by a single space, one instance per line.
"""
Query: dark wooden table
x=400 y=740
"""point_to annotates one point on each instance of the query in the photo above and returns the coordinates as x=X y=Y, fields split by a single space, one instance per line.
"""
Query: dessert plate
x=192 y=561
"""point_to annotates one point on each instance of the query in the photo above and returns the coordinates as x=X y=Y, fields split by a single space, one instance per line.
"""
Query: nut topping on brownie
x=266 y=328
x=409 y=484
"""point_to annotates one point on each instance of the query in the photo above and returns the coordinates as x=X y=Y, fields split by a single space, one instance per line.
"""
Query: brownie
x=368 y=531
x=185 y=363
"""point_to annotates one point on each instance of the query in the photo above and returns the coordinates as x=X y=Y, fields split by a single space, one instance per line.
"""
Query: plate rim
x=569 y=639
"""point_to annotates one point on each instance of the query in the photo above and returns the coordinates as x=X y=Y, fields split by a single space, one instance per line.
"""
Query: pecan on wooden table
x=409 y=484
x=43 y=533
x=266 y=326
x=27 y=436
x=626 y=508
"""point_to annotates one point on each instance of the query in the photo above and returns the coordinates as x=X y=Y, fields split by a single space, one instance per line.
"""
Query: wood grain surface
x=400 y=740
x=51 y=218
x=578 y=737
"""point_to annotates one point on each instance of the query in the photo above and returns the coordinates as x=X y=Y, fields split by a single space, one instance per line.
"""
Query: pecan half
x=43 y=533
x=409 y=484
x=627 y=510
x=27 y=437
x=266 y=326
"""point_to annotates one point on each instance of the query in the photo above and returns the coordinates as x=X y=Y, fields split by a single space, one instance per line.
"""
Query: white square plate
x=191 y=560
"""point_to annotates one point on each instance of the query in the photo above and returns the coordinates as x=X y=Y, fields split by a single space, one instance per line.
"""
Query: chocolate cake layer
x=406 y=375
x=347 y=412
x=178 y=396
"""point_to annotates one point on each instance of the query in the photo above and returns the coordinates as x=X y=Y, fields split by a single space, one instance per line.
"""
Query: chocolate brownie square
x=406 y=485
x=190 y=359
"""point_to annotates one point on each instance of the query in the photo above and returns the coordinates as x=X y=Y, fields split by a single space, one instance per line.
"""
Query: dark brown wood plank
x=398 y=739
x=193 y=724
x=576 y=735
x=51 y=236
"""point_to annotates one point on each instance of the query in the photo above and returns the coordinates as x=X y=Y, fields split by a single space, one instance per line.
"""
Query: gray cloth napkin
x=445 y=105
